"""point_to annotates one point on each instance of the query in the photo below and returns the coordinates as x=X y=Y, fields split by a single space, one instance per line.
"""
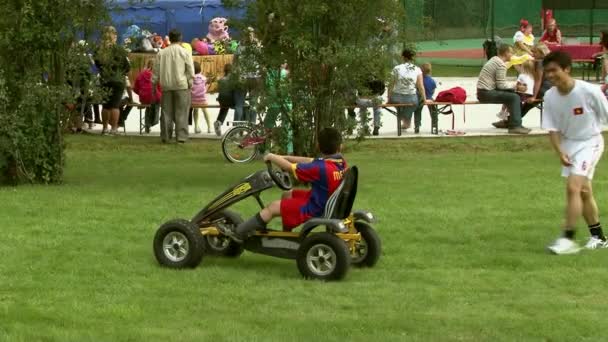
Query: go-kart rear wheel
x=323 y=256
x=240 y=144
x=368 y=250
x=178 y=244
x=220 y=245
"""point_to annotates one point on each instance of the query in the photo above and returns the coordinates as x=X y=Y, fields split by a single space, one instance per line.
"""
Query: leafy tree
x=41 y=71
x=332 y=48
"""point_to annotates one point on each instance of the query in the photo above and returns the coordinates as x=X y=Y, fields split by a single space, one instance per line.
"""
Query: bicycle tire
x=234 y=140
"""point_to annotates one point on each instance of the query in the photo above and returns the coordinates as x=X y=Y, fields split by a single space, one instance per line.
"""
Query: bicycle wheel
x=240 y=144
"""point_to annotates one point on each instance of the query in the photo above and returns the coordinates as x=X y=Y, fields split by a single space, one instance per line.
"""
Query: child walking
x=199 y=90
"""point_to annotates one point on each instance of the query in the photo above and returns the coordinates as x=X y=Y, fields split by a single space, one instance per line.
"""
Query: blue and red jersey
x=324 y=175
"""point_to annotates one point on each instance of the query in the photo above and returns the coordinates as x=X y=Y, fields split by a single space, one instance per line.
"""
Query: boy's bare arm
x=279 y=161
x=296 y=159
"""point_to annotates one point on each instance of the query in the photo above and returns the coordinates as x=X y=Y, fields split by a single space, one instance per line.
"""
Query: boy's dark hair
x=175 y=36
x=408 y=54
x=329 y=141
x=227 y=69
x=197 y=67
x=503 y=48
x=562 y=59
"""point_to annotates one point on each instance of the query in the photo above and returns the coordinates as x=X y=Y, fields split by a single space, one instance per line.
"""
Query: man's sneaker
x=376 y=131
x=218 y=128
x=416 y=130
x=596 y=243
x=227 y=231
x=519 y=130
x=564 y=246
x=503 y=115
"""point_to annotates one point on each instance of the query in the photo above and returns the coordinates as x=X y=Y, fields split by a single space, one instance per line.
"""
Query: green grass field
x=464 y=224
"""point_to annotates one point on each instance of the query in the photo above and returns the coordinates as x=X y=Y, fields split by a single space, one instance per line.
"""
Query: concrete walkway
x=477 y=122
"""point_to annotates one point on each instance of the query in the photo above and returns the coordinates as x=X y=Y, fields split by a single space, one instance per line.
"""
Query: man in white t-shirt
x=573 y=114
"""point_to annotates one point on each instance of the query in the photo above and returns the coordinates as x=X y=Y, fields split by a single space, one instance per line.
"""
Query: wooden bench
x=142 y=106
x=588 y=68
x=388 y=106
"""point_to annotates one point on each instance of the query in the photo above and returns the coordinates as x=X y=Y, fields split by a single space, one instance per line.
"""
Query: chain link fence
x=462 y=19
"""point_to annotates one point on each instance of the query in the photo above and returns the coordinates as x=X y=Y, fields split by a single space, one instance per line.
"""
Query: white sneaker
x=564 y=246
x=595 y=243
x=503 y=115
x=218 y=128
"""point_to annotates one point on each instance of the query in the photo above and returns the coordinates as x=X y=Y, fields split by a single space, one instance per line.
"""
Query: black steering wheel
x=280 y=178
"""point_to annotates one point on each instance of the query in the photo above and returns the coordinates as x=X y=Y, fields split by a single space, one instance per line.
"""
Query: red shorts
x=291 y=209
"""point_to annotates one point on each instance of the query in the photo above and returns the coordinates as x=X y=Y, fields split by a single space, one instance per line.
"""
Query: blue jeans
x=405 y=113
x=239 y=103
x=432 y=111
x=364 y=104
x=508 y=98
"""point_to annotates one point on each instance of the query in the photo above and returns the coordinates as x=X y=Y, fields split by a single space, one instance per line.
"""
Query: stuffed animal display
x=137 y=40
x=218 y=30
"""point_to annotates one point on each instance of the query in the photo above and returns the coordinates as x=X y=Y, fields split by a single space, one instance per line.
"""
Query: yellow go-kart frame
x=348 y=238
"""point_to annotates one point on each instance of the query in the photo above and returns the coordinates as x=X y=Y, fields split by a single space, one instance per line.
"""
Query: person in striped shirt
x=493 y=87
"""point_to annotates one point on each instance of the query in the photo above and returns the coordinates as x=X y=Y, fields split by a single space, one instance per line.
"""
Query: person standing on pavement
x=174 y=70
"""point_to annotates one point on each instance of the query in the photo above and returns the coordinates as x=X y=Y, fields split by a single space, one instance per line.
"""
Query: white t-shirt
x=578 y=115
x=528 y=81
x=405 y=76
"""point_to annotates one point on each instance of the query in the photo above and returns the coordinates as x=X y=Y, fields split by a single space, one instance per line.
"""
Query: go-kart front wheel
x=178 y=244
x=323 y=256
x=368 y=249
x=240 y=144
x=221 y=245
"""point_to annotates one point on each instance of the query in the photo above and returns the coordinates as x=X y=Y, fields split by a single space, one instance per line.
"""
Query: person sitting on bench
x=492 y=87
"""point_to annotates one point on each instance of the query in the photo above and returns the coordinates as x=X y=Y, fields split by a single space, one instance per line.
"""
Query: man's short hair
x=562 y=59
x=329 y=141
x=503 y=48
x=175 y=36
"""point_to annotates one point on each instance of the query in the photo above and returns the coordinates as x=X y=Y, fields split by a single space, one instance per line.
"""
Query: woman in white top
x=523 y=42
x=406 y=86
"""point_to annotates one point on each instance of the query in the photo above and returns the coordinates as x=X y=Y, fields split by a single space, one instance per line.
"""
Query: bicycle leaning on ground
x=245 y=140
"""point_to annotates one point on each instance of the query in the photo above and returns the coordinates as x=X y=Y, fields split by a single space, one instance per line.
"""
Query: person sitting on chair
x=298 y=206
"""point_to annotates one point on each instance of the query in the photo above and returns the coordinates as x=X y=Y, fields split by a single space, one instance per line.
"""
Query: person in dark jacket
x=113 y=65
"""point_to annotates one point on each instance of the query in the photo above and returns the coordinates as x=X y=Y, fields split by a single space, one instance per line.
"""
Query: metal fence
x=454 y=19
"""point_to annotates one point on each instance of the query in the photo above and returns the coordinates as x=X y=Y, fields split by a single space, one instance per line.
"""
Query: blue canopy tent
x=191 y=18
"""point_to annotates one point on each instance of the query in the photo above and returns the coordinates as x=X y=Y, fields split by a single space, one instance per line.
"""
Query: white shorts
x=584 y=156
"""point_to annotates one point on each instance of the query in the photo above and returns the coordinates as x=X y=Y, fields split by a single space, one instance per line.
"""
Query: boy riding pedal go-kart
x=326 y=255
x=297 y=206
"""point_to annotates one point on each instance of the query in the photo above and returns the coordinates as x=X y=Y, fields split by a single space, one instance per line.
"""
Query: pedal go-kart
x=324 y=248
